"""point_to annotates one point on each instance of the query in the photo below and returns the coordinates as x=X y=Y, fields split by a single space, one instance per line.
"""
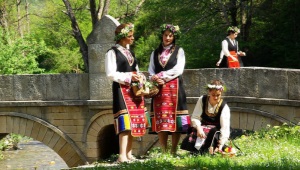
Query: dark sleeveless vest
x=182 y=103
x=231 y=47
x=122 y=66
x=207 y=120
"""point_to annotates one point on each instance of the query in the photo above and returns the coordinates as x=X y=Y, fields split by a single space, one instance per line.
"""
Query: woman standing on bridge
x=230 y=56
x=169 y=113
x=129 y=111
x=211 y=114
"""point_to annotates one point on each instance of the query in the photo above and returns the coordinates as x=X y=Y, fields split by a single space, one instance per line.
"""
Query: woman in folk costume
x=212 y=114
x=230 y=56
x=169 y=113
x=129 y=111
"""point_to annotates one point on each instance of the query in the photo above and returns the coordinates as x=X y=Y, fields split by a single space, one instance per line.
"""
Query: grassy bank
x=270 y=148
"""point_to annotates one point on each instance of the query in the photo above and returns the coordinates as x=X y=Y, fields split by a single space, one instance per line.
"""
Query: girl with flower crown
x=230 y=54
x=121 y=67
x=212 y=114
x=169 y=113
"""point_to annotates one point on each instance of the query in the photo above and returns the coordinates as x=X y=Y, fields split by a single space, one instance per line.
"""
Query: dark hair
x=230 y=32
x=161 y=48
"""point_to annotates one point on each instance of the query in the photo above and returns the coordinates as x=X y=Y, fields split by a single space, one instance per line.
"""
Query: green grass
x=271 y=148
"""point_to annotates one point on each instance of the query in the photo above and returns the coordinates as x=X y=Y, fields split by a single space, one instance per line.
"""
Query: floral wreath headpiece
x=234 y=29
x=124 y=32
x=173 y=28
x=216 y=87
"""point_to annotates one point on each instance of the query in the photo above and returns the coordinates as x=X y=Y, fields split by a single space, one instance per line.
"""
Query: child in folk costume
x=129 y=110
x=212 y=114
x=230 y=56
x=169 y=113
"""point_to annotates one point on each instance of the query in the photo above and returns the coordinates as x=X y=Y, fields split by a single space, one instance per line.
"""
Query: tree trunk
x=93 y=12
x=77 y=34
x=18 y=3
x=3 y=21
x=224 y=12
x=27 y=16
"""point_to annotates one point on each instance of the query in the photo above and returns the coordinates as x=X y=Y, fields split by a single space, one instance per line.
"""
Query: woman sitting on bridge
x=169 y=113
x=129 y=111
x=211 y=114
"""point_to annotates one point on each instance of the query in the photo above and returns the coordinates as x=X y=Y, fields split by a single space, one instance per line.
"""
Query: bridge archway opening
x=108 y=142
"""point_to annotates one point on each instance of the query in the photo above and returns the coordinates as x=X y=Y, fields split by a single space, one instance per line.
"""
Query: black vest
x=170 y=64
x=122 y=62
x=230 y=46
x=207 y=120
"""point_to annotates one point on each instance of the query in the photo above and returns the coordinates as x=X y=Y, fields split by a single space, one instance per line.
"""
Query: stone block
x=29 y=87
x=294 y=85
x=285 y=112
x=92 y=153
x=53 y=140
x=76 y=137
x=100 y=87
x=54 y=87
x=35 y=130
x=104 y=31
x=69 y=156
x=48 y=137
x=243 y=120
x=2 y=124
x=191 y=81
x=250 y=121
x=97 y=57
x=83 y=85
x=7 y=88
x=16 y=125
x=29 y=126
x=68 y=122
x=60 y=143
x=42 y=132
x=9 y=124
x=68 y=129
x=64 y=150
x=235 y=120
x=70 y=86
x=271 y=87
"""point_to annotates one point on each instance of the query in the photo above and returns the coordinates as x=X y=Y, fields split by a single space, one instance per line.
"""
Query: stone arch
x=100 y=128
x=253 y=119
x=38 y=129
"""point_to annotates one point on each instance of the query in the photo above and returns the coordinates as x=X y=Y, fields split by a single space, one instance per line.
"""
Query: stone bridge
x=72 y=113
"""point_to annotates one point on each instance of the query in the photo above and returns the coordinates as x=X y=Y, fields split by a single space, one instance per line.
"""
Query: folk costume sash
x=231 y=63
x=165 y=106
x=136 y=111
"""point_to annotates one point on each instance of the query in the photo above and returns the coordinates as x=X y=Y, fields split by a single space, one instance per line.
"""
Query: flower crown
x=173 y=28
x=234 y=29
x=124 y=32
x=216 y=87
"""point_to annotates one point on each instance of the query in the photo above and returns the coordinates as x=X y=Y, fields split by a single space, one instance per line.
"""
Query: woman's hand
x=160 y=81
x=233 y=58
x=200 y=132
x=241 y=53
x=135 y=77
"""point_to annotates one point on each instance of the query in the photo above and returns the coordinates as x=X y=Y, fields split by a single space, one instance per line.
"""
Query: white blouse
x=111 y=66
x=172 y=73
x=224 y=119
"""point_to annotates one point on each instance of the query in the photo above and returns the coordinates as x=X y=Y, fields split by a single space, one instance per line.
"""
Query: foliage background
x=42 y=40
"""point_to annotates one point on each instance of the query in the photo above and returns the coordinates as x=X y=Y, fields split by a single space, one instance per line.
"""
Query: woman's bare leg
x=175 y=141
x=163 y=140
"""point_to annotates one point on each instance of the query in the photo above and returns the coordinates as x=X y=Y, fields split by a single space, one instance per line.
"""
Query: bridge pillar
x=99 y=41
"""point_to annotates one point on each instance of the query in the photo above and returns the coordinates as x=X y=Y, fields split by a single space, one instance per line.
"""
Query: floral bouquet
x=145 y=88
